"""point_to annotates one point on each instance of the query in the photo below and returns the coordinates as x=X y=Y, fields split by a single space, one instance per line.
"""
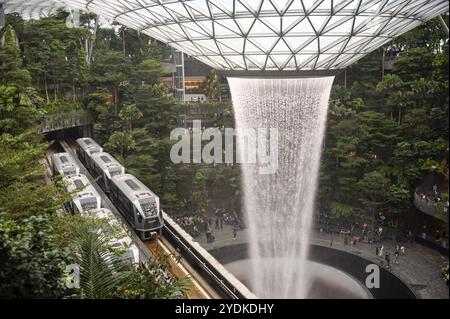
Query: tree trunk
x=74 y=93
x=55 y=91
x=87 y=51
x=46 y=89
x=123 y=43
x=92 y=40
x=345 y=78
x=373 y=226
x=399 y=116
x=116 y=99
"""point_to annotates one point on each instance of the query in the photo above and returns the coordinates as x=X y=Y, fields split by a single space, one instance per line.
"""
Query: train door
x=136 y=220
x=104 y=182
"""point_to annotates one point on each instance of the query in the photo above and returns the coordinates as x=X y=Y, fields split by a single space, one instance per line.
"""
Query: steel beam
x=443 y=24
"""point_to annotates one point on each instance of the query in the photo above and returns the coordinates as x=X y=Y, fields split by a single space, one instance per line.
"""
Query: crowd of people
x=385 y=256
x=195 y=224
x=433 y=197
x=190 y=224
x=221 y=217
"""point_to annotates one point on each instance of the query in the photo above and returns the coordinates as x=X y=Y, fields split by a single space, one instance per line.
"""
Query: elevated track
x=210 y=280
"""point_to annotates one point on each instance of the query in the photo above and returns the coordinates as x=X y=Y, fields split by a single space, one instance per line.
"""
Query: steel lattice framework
x=266 y=35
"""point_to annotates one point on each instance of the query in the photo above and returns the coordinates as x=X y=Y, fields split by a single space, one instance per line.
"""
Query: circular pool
x=326 y=282
x=334 y=273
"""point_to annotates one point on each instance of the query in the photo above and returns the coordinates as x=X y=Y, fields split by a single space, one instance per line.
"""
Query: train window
x=149 y=208
x=78 y=183
x=105 y=159
x=88 y=142
x=139 y=218
x=132 y=184
x=69 y=171
x=115 y=172
x=64 y=159
x=91 y=203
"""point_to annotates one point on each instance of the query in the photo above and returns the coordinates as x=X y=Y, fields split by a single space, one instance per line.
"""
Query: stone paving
x=420 y=266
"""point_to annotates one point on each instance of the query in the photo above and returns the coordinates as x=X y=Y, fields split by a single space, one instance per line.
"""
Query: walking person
x=235 y=228
x=380 y=254
x=221 y=222
x=208 y=234
x=388 y=260
x=396 y=253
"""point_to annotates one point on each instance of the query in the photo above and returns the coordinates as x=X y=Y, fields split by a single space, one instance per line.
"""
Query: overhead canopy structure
x=260 y=35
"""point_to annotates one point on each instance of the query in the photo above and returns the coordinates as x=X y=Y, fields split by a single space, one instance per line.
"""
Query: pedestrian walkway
x=420 y=267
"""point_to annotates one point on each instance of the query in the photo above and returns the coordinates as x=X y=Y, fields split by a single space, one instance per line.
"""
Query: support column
x=178 y=60
x=2 y=15
x=444 y=25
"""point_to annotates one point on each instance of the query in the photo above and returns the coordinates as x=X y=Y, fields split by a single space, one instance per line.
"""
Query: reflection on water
x=326 y=282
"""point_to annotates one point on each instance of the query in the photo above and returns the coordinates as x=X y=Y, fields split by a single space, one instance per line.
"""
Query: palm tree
x=101 y=270
x=212 y=85
x=391 y=83
x=122 y=142
x=422 y=88
x=399 y=100
x=130 y=113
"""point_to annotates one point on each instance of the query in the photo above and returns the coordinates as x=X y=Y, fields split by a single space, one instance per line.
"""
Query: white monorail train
x=64 y=164
x=85 y=148
x=122 y=242
x=104 y=166
x=85 y=196
x=136 y=202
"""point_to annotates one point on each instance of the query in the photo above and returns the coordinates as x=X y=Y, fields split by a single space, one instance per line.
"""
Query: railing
x=214 y=272
x=59 y=121
x=430 y=207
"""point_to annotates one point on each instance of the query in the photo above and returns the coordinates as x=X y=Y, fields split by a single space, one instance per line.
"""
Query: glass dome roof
x=254 y=35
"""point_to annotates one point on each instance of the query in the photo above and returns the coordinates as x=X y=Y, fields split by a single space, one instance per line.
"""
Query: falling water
x=279 y=207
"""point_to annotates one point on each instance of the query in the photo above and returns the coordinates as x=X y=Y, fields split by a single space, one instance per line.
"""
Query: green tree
x=149 y=72
x=421 y=89
x=53 y=55
x=414 y=64
x=23 y=191
x=11 y=71
x=130 y=113
x=101 y=271
x=122 y=142
x=199 y=193
x=153 y=281
x=32 y=265
x=111 y=70
x=391 y=84
x=373 y=193
x=399 y=100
